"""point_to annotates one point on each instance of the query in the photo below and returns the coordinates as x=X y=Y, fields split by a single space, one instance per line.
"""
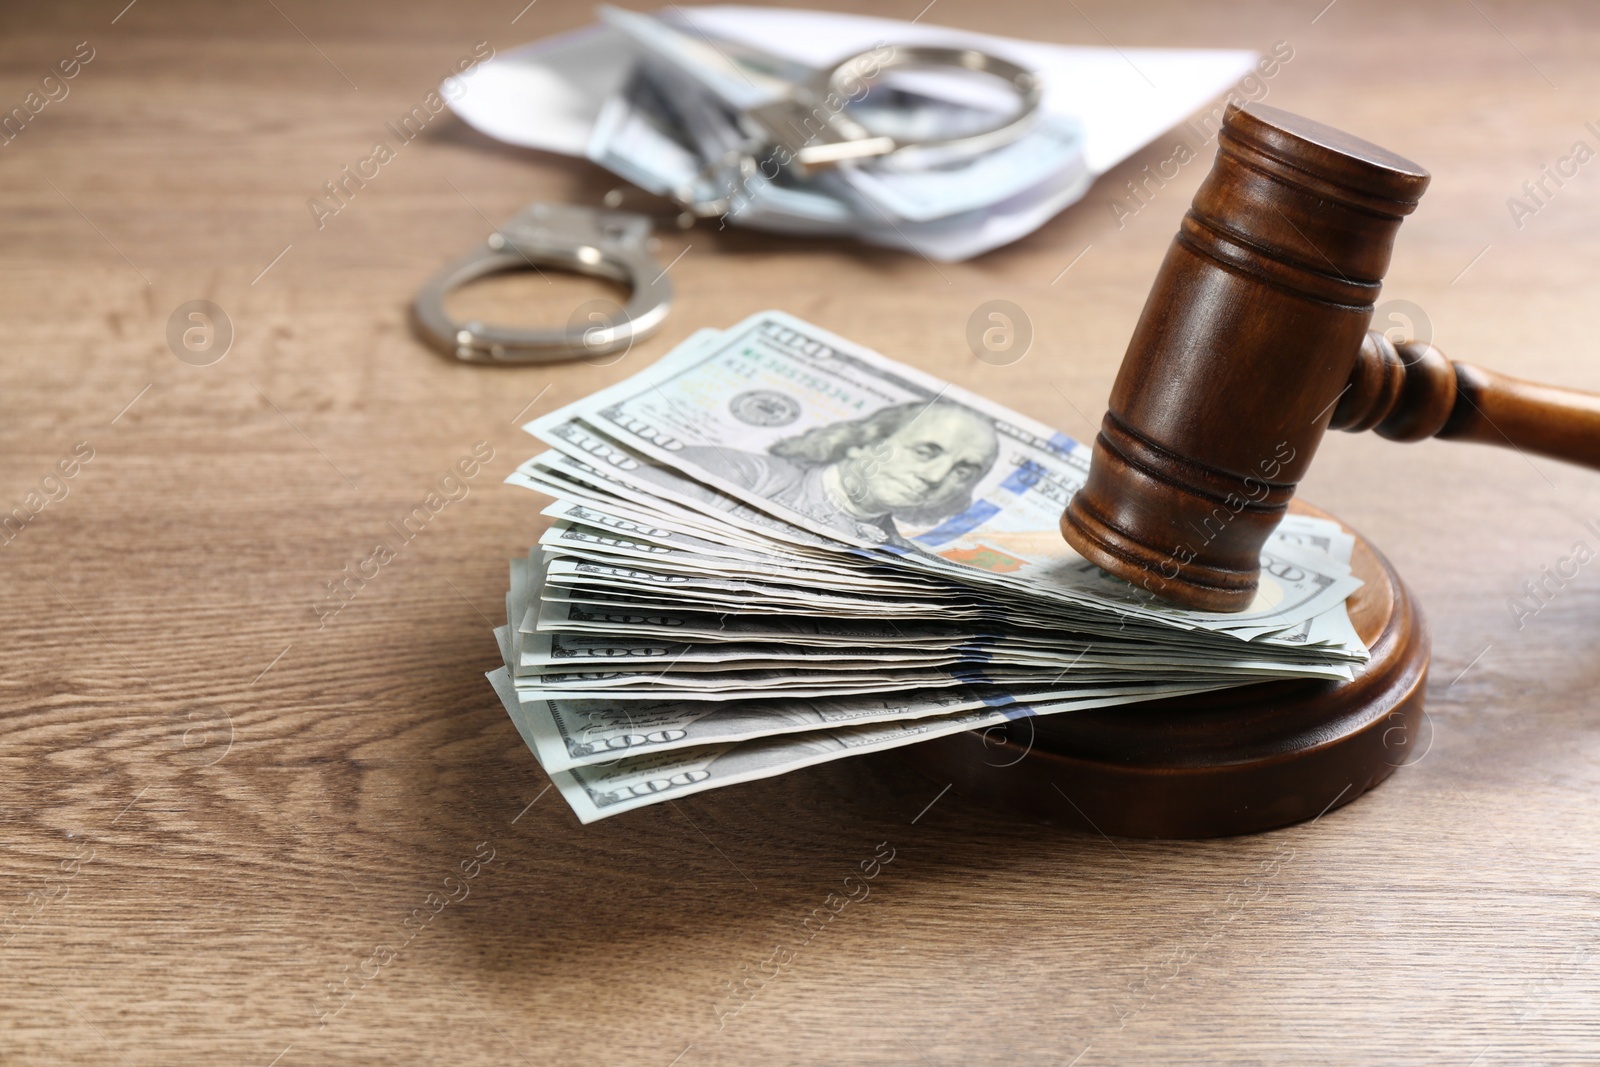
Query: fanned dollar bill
x=835 y=441
x=774 y=548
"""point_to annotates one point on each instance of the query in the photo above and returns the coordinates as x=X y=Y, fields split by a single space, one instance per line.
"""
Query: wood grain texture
x=211 y=808
x=1412 y=391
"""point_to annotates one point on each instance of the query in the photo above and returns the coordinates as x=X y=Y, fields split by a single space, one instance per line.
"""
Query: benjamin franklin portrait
x=912 y=463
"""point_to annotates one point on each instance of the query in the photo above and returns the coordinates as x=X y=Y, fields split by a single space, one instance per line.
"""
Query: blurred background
x=267 y=793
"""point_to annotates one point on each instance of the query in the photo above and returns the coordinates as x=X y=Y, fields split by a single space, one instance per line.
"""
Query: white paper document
x=619 y=93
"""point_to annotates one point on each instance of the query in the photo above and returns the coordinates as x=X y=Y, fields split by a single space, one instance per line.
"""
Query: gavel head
x=1246 y=343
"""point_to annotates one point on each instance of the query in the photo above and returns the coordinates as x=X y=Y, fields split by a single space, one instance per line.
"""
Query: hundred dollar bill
x=586 y=572
x=594 y=534
x=616 y=785
x=1302 y=550
x=622 y=667
x=738 y=611
x=757 y=678
x=993 y=641
x=571 y=481
x=629 y=624
x=757 y=562
x=564 y=734
x=571 y=615
x=552 y=648
x=649 y=485
x=576 y=480
x=627 y=473
x=547 y=653
x=570 y=731
x=851 y=447
x=1330 y=630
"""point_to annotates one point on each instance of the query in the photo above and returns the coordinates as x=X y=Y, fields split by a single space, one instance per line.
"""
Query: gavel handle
x=1412 y=391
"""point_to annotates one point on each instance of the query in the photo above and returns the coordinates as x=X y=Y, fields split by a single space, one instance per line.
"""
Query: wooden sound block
x=1234 y=762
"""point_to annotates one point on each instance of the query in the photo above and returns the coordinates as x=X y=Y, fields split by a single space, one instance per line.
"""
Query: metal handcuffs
x=584 y=240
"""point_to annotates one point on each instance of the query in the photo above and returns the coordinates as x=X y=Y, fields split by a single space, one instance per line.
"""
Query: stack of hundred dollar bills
x=775 y=547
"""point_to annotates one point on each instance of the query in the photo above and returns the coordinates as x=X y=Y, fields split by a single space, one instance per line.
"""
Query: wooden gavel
x=1254 y=342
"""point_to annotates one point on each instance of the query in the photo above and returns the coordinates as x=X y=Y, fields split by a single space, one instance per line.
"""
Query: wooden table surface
x=217 y=814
